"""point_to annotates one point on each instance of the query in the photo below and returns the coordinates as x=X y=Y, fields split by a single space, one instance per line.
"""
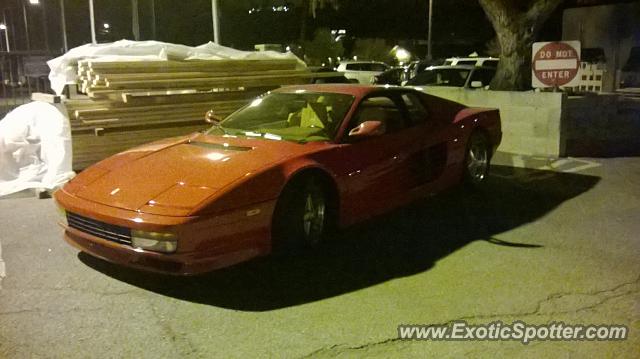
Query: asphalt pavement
x=555 y=242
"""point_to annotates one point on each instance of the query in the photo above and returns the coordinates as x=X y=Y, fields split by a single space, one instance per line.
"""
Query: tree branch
x=540 y=11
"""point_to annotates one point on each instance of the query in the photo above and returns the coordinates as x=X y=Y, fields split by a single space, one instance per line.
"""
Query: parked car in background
x=467 y=76
x=393 y=76
x=327 y=75
x=475 y=61
x=362 y=71
x=417 y=67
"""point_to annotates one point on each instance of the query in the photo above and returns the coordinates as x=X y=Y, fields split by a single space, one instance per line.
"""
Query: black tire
x=477 y=159
x=301 y=216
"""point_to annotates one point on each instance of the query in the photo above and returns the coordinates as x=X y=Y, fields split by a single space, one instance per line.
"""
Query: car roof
x=361 y=62
x=347 y=89
x=462 y=67
x=473 y=58
x=459 y=67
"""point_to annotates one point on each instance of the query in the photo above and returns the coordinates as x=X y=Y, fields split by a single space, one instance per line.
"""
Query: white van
x=362 y=71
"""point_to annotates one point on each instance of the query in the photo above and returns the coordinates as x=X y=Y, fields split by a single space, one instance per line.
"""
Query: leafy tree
x=310 y=8
x=372 y=49
x=322 y=47
x=517 y=23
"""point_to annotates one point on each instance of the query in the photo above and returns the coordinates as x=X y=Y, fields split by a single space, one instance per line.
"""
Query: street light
x=402 y=55
x=3 y=27
x=34 y=2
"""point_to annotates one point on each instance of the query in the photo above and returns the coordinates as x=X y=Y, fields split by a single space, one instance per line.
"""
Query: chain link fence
x=21 y=74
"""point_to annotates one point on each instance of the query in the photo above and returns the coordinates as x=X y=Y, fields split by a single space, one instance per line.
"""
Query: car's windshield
x=441 y=77
x=301 y=116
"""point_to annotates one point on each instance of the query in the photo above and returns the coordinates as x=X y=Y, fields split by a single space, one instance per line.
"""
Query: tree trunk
x=514 y=68
x=516 y=30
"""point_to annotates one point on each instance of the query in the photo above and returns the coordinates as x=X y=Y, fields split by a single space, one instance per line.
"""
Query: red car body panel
x=218 y=193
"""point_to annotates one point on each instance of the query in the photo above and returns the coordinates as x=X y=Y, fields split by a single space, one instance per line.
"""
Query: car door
x=434 y=138
x=376 y=171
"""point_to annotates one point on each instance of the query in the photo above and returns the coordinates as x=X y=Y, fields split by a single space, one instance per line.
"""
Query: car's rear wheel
x=478 y=158
x=301 y=216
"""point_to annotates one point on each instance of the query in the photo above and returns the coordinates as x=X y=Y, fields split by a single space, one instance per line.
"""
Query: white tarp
x=35 y=148
x=64 y=70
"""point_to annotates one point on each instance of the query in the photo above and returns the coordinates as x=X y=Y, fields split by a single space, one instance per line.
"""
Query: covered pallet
x=133 y=93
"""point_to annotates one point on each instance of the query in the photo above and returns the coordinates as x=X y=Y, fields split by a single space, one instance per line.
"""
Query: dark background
x=459 y=26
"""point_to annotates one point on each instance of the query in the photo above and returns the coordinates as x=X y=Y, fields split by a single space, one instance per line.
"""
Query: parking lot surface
x=558 y=241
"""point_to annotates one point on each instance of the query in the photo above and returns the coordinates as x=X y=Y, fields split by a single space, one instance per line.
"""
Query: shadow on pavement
x=405 y=242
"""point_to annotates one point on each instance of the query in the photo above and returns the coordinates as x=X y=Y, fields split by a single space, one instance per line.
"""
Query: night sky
x=459 y=28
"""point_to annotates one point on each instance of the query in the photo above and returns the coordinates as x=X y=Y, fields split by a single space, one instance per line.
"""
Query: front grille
x=99 y=229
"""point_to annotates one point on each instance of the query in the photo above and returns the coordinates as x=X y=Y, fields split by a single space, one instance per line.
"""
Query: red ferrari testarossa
x=277 y=173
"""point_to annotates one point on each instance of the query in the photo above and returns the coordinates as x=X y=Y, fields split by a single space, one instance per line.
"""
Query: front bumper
x=176 y=264
x=205 y=243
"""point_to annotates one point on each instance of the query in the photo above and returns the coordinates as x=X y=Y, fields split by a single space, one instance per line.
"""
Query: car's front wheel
x=301 y=215
x=478 y=158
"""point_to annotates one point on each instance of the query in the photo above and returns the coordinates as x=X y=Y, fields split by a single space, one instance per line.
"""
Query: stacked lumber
x=125 y=104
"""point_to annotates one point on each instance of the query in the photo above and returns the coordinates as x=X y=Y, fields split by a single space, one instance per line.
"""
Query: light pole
x=3 y=27
x=135 y=22
x=216 y=25
x=63 y=21
x=6 y=28
x=429 y=53
x=44 y=23
x=153 y=20
x=93 y=22
x=26 y=25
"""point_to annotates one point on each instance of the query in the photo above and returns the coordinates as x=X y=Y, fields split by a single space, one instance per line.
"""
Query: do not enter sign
x=555 y=64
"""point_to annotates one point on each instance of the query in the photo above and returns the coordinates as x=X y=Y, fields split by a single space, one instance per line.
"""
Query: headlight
x=154 y=241
x=62 y=214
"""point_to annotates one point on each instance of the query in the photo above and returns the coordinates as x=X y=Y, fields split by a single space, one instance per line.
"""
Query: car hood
x=174 y=177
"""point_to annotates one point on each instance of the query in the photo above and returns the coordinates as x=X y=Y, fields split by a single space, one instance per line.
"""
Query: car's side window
x=380 y=108
x=416 y=110
x=378 y=67
x=483 y=75
x=354 y=67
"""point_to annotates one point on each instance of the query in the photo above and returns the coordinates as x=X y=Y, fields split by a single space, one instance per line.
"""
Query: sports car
x=278 y=174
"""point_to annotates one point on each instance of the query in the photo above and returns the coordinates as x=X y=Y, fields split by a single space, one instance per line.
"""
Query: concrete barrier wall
x=601 y=126
x=551 y=124
x=530 y=120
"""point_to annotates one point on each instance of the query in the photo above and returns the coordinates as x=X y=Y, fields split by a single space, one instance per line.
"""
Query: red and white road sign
x=555 y=64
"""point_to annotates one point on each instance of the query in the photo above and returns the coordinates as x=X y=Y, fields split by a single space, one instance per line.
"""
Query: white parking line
x=585 y=165
x=562 y=165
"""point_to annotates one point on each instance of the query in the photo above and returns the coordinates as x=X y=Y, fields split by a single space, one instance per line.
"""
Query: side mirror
x=367 y=129
x=212 y=118
x=476 y=84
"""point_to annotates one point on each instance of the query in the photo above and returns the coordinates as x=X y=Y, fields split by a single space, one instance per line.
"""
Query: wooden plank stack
x=130 y=103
